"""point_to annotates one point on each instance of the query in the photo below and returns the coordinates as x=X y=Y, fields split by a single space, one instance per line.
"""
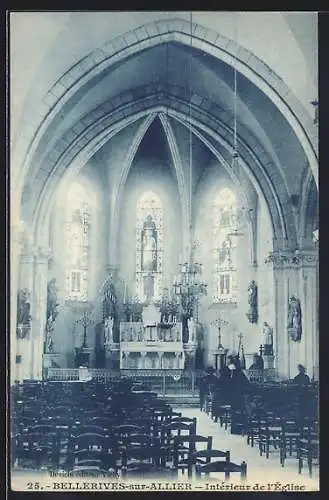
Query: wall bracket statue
x=23 y=313
x=252 y=314
x=294 y=326
x=51 y=314
x=52 y=299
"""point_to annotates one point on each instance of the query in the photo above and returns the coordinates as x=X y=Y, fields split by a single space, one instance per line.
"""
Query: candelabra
x=85 y=320
x=188 y=286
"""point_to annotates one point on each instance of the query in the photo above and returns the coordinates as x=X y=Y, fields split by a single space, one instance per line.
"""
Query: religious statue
x=23 y=307
x=294 y=319
x=109 y=301
x=49 y=345
x=268 y=339
x=49 y=342
x=52 y=299
x=108 y=330
x=137 y=311
x=252 y=314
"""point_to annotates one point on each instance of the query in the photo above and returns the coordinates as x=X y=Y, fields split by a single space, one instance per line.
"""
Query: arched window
x=149 y=247
x=224 y=224
x=77 y=243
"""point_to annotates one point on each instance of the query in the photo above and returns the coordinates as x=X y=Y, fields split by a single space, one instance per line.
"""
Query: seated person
x=208 y=383
x=258 y=363
x=301 y=378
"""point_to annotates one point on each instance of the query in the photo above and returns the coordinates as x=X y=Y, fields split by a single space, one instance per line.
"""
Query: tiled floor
x=259 y=469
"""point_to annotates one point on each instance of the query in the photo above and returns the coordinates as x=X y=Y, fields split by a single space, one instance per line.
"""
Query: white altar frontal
x=150 y=344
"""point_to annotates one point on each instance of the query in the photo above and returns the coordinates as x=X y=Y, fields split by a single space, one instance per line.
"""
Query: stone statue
x=252 y=314
x=23 y=307
x=49 y=342
x=52 y=299
x=295 y=318
x=108 y=330
x=49 y=345
x=109 y=301
x=268 y=339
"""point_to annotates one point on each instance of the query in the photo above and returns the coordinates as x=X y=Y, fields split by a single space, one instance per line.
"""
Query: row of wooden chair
x=151 y=437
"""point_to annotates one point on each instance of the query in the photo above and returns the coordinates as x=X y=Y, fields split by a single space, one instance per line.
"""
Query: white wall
x=63 y=337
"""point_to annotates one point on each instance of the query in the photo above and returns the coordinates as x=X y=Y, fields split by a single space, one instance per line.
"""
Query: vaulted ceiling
x=172 y=86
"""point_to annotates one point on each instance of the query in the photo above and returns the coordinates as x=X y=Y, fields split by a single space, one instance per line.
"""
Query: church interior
x=164 y=244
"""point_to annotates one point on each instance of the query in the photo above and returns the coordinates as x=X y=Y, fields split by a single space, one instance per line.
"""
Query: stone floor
x=259 y=469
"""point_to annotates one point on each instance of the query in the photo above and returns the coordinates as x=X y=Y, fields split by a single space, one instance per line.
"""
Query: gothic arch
x=78 y=154
x=156 y=33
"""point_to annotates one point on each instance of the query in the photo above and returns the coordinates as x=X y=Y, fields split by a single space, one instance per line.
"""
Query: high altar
x=150 y=344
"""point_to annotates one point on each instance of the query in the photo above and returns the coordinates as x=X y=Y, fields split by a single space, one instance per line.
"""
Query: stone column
x=39 y=309
x=16 y=248
x=309 y=346
x=295 y=274
x=286 y=283
x=24 y=346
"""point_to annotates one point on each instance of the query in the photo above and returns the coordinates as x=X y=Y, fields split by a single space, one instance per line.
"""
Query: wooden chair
x=78 y=429
x=308 y=449
x=184 y=449
x=222 y=466
x=91 y=446
x=168 y=432
x=37 y=448
x=148 y=470
x=204 y=457
x=290 y=436
x=224 y=414
x=270 y=432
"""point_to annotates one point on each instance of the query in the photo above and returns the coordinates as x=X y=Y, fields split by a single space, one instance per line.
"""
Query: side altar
x=150 y=343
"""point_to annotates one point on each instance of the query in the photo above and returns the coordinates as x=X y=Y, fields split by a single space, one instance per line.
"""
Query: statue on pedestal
x=108 y=330
x=23 y=313
x=49 y=345
x=52 y=299
x=268 y=339
x=294 y=319
x=252 y=314
x=109 y=301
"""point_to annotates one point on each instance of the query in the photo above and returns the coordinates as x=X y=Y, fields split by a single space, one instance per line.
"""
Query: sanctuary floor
x=260 y=470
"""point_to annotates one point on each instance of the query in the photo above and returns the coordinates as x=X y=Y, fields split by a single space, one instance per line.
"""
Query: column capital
x=41 y=254
x=288 y=259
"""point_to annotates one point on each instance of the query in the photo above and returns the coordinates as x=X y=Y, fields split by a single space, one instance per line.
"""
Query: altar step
x=183 y=400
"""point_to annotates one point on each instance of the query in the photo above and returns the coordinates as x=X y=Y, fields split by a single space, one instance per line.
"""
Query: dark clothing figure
x=208 y=385
x=302 y=379
x=222 y=395
x=238 y=387
x=258 y=363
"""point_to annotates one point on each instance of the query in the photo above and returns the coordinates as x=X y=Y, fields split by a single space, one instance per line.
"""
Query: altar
x=151 y=344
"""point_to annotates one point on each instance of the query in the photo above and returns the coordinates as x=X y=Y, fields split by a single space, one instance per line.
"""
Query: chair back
x=222 y=466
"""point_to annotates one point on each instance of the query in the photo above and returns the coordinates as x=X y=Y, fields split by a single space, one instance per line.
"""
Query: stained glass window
x=77 y=243
x=149 y=247
x=224 y=223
